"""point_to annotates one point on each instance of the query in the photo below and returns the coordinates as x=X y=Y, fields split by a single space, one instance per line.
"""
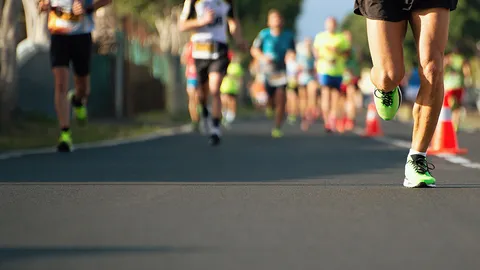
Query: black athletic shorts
x=72 y=48
x=398 y=10
x=220 y=65
x=271 y=90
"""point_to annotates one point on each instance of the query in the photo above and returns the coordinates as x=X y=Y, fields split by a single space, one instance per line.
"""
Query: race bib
x=204 y=47
x=63 y=23
x=277 y=79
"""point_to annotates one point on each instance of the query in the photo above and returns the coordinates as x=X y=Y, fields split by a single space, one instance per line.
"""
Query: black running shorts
x=76 y=49
x=220 y=65
x=398 y=10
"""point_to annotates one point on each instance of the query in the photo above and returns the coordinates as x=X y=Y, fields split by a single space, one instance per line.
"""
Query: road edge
x=159 y=133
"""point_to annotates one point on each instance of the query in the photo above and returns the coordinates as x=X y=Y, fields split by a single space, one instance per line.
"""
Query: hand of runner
x=43 y=5
x=78 y=8
x=208 y=17
x=266 y=59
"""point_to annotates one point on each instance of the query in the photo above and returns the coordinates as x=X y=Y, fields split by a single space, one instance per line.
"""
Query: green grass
x=34 y=131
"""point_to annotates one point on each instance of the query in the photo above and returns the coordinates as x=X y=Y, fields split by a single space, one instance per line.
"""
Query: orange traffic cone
x=444 y=140
x=372 y=127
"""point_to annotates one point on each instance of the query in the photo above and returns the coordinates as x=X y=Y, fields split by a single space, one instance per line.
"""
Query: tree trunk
x=36 y=23
x=8 y=58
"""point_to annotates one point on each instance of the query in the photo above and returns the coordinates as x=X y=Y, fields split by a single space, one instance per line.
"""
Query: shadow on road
x=8 y=254
x=246 y=155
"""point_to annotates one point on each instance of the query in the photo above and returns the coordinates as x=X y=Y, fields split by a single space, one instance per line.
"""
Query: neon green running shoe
x=80 y=112
x=277 y=133
x=65 y=143
x=417 y=172
x=387 y=104
x=269 y=112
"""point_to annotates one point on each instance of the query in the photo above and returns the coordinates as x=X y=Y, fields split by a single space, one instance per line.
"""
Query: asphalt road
x=306 y=201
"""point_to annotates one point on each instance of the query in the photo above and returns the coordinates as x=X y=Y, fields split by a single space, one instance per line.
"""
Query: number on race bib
x=203 y=47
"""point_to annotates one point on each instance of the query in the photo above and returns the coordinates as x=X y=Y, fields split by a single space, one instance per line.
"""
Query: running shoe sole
x=408 y=184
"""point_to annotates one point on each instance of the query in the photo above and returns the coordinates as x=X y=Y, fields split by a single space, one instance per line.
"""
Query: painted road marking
x=406 y=144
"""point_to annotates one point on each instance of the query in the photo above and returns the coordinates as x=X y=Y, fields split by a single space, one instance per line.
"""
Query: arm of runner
x=183 y=55
x=79 y=8
x=256 y=50
x=235 y=27
x=188 y=18
x=99 y=4
x=316 y=47
x=467 y=71
x=292 y=48
x=43 y=5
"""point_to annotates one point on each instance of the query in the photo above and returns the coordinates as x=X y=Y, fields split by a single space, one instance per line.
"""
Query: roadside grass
x=34 y=131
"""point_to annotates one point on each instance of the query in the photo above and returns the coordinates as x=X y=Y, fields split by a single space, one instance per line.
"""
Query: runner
x=307 y=85
x=270 y=48
x=330 y=49
x=230 y=89
x=457 y=69
x=349 y=87
x=192 y=85
x=386 y=26
x=210 y=19
x=293 y=109
x=70 y=24
x=258 y=93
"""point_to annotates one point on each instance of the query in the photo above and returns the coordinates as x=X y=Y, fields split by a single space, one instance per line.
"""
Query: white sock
x=229 y=116
x=414 y=152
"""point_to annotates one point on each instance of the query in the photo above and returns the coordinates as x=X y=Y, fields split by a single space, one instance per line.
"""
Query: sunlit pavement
x=305 y=201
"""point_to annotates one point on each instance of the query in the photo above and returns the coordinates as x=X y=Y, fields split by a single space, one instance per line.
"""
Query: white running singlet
x=217 y=30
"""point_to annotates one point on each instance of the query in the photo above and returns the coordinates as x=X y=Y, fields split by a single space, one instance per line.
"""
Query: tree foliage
x=464 y=32
x=253 y=13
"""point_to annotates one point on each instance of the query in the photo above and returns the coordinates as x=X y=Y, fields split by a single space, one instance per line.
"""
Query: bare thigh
x=430 y=29
x=385 y=40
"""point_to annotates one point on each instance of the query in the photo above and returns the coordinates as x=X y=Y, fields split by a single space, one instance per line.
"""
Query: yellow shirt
x=331 y=48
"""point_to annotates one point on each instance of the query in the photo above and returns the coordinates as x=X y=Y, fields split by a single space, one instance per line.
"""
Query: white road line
x=107 y=143
x=406 y=144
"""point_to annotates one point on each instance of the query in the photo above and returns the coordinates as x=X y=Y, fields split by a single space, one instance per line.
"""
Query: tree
x=253 y=15
x=36 y=22
x=8 y=60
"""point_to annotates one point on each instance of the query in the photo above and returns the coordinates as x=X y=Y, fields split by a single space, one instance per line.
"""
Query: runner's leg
x=326 y=107
x=216 y=72
x=62 y=106
x=430 y=28
x=81 y=54
x=60 y=60
x=335 y=109
x=280 y=104
x=385 y=40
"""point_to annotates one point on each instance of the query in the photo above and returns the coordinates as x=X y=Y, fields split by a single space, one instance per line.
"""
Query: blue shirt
x=275 y=46
x=305 y=57
x=414 y=78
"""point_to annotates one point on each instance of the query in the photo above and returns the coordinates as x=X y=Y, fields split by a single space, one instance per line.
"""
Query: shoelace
x=420 y=165
x=386 y=97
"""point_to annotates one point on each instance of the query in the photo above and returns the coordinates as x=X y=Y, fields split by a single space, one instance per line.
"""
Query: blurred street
x=305 y=201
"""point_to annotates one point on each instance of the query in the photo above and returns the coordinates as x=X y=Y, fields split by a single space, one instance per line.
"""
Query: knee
x=432 y=68
x=387 y=78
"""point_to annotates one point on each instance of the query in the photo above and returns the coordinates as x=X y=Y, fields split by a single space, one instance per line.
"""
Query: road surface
x=306 y=201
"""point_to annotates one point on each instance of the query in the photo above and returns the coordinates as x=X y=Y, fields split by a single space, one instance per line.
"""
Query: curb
x=161 y=132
